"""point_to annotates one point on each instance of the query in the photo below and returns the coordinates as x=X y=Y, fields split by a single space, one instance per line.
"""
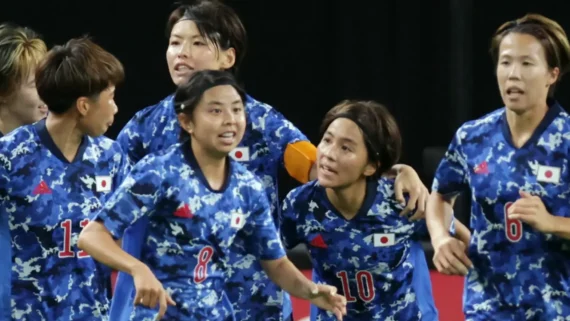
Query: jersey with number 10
x=519 y=273
x=374 y=259
x=47 y=200
x=190 y=230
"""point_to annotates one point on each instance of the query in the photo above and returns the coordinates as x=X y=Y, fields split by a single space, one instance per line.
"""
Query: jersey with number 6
x=519 y=273
x=46 y=201
x=374 y=259
x=190 y=230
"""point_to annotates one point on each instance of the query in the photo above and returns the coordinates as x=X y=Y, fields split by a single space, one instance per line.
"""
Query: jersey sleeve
x=130 y=139
x=4 y=181
x=262 y=237
x=280 y=133
x=289 y=219
x=452 y=173
x=138 y=196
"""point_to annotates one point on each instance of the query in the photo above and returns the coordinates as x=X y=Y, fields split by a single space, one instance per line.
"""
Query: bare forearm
x=98 y=242
x=283 y=273
x=561 y=227
x=439 y=214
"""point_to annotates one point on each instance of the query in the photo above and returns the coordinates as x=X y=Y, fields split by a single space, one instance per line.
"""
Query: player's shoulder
x=305 y=191
x=20 y=142
x=152 y=112
x=106 y=145
x=385 y=195
x=258 y=110
x=166 y=157
x=304 y=194
x=482 y=128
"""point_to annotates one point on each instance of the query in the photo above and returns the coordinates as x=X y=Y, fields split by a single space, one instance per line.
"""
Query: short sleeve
x=280 y=132
x=136 y=197
x=452 y=174
x=288 y=224
x=262 y=237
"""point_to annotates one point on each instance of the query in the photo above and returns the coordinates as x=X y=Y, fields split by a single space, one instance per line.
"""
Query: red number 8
x=513 y=228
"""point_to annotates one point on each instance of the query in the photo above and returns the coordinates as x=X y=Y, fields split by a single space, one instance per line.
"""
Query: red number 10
x=513 y=228
x=365 y=285
x=67 y=252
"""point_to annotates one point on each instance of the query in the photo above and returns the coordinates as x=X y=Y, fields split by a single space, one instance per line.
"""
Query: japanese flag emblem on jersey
x=240 y=154
x=238 y=220
x=381 y=240
x=103 y=183
x=548 y=174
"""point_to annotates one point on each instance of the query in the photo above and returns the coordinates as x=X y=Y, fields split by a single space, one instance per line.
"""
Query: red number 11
x=67 y=252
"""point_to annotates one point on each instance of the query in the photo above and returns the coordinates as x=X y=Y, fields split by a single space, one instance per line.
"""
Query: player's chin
x=327 y=182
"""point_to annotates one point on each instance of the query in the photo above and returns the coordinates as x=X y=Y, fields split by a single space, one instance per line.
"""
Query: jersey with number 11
x=374 y=259
x=518 y=270
x=47 y=200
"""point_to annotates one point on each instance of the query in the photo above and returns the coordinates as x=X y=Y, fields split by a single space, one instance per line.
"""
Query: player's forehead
x=346 y=130
x=223 y=94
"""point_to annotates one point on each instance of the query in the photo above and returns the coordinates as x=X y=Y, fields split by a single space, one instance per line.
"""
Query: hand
x=408 y=181
x=450 y=257
x=325 y=297
x=531 y=210
x=150 y=291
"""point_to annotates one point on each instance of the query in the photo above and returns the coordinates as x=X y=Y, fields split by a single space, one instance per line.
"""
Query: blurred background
x=427 y=61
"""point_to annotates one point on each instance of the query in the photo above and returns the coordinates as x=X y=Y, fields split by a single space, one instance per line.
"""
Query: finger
x=153 y=298
x=337 y=313
x=169 y=300
x=446 y=266
x=162 y=305
x=525 y=218
x=411 y=205
x=399 y=194
x=138 y=298
x=523 y=211
x=332 y=290
x=422 y=201
x=524 y=194
x=455 y=260
x=465 y=260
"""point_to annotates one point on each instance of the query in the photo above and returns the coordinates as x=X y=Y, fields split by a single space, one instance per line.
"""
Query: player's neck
x=65 y=134
x=7 y=121
x=213 y=168
x=348 y=200
x=523 y=125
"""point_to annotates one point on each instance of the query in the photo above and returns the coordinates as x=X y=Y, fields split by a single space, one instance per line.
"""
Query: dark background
x=426 y=60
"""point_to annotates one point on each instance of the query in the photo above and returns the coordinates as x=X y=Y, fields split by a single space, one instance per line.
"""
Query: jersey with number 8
x=517 y=270
x=48 y=200
x=188 y=230
x=374 y=259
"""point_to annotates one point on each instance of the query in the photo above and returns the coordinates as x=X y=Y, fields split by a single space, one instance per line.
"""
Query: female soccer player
x=515 y=162
x=349 y=219
x=54 y=175
x=209 y=35
x=21 y=50
x=196 y=201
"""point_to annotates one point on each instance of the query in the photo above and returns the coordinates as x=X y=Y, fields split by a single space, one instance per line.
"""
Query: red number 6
x=513 y=228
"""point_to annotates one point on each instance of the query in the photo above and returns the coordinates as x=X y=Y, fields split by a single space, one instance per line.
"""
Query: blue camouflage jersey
x=46 y=201
x=374 y=259
x=190 y=229
x=519 y=273
x=261 y=150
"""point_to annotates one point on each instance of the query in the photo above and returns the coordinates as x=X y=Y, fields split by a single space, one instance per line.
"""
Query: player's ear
x=83 y=104
x=370 y=169
x=186 y=122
